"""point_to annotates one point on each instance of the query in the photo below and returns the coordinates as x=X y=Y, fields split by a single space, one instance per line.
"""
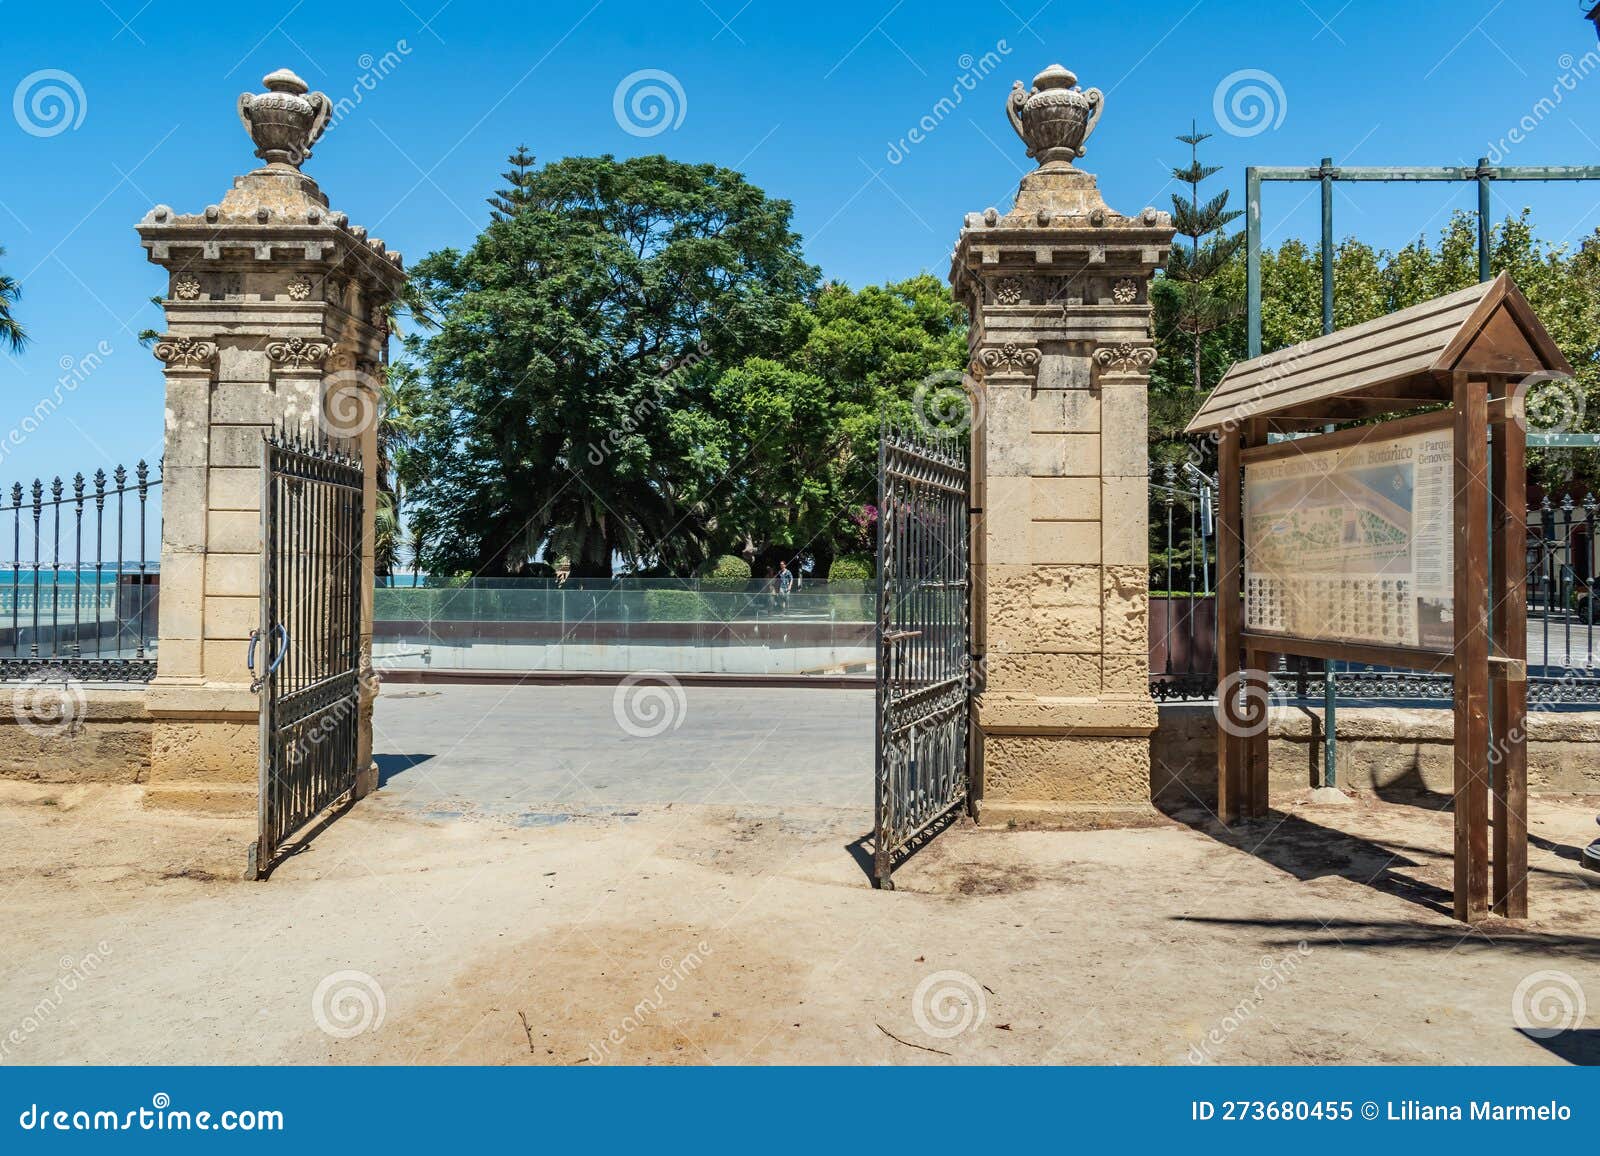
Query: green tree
x=1194 y=299
x=578 y=341
x=800 y=430
x=518 y=193
x=1561 y=282
x=12 y=333
x=401 y=400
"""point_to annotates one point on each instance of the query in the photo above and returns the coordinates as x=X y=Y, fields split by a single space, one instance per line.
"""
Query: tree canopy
x=633 y=363
x=12 y=334
x=1562 y=283
x=577 y=341
x=798 y=432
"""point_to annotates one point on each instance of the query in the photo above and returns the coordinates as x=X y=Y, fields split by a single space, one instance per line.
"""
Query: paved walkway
x=513 y=750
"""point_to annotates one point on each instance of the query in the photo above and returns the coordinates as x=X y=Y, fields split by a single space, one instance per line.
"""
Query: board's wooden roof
x=1391 y=363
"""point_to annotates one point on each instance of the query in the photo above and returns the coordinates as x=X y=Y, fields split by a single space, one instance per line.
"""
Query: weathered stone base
x=104 y=737
x=1381 y=749
x=1081 y=770
x=1064 y=762
x=1066 y=816
x=204 y=748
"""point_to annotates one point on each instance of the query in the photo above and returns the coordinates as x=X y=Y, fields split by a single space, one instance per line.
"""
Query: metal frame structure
x=922 y=738
x=1325 y=174
x=309 y=679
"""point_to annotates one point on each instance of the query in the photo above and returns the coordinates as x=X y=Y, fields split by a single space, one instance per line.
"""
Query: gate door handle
x=250 y=656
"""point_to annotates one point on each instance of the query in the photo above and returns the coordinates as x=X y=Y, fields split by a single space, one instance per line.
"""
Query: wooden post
x=1230 y=555
x=1509 y=568
x=1254 y=746
x=1471 y=650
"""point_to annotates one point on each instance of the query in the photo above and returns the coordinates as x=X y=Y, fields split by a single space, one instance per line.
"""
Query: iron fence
x=1183 y=560
x=79 y=595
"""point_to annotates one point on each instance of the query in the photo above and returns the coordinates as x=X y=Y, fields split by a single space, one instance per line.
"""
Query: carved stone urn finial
x=1055 y=117
x=286 y=120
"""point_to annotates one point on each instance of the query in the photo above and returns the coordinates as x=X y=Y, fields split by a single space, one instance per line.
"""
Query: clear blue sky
x=808 y=99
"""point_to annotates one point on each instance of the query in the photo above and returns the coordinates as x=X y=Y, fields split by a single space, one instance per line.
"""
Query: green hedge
x=851 y=568
x=727 y=572
x=676 y=606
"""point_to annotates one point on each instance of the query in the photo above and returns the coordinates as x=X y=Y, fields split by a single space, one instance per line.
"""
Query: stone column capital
x=1125 y=359
x=298 y=354
x=186 y=354
x=1009 y=362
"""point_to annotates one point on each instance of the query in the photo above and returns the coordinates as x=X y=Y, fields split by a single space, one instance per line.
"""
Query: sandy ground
x=681 y=934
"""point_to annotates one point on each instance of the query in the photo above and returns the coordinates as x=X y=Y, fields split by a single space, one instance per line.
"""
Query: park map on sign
x=1352 y=544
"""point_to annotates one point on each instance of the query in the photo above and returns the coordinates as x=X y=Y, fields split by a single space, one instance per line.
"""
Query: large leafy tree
x=800 y=431
x=12 y=333
x=577 y=345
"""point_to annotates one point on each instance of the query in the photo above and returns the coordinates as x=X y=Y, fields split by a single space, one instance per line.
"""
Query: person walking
x=785 y=584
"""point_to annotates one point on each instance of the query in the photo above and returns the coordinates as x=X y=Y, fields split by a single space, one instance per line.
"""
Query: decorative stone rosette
x=1011 y=361
x=185 y=352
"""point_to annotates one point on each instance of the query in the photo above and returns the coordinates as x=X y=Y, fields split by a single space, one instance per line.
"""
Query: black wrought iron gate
x=924 y=664
x=307 y=671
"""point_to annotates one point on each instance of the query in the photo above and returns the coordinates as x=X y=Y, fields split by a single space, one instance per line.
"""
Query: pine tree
x=1201 y=304
x=506 y=202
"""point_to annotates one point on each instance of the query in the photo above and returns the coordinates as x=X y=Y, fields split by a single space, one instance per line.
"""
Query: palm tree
x=398 y=405
x=11 y=331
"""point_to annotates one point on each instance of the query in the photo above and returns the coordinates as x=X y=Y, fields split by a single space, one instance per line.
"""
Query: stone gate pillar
x=276 y=315
x=1058 y=293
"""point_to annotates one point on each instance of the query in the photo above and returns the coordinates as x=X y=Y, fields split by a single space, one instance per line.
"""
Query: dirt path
x=714 y=934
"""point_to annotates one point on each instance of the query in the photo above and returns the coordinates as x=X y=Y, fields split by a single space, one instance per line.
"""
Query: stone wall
x=1381 y=749
x=105 y=739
